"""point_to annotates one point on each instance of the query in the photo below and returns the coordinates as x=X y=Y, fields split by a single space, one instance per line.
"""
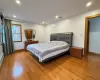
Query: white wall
x=74 y=24
x=94 y=35
x=39 y=33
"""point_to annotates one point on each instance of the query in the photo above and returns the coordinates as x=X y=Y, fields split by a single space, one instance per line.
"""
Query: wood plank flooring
x=22 y=66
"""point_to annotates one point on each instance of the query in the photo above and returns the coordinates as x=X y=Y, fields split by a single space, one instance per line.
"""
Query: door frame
x=86 y=38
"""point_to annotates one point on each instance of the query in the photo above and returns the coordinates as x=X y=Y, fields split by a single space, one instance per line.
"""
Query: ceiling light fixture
x=14 y=16
x=56 y=17
x=89 y=4
x=18 y=2
x=42 y=22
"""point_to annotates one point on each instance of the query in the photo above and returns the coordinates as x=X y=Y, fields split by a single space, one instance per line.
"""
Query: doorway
x=92 y=35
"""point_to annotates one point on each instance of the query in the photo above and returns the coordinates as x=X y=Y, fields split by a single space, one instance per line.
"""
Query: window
x=16 y=33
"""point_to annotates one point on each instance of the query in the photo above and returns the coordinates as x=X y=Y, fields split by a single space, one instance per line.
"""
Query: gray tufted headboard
x=67 y=37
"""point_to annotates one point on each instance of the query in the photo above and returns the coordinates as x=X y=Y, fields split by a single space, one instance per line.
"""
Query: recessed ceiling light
x=42 y=22
x=14 y=16
x=89 y=4
x=56 y=17
x=18 y=2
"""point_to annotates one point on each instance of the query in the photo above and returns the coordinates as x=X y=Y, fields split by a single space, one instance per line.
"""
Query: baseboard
x=20 y=50
x=94 y=53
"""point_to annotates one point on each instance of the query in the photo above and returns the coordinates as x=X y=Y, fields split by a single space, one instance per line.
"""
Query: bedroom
x=48 y=17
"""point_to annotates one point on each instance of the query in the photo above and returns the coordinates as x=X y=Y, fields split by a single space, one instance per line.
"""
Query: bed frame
x=67 y=37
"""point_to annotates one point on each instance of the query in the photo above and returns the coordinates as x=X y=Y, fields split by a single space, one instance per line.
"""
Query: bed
x=59 y=43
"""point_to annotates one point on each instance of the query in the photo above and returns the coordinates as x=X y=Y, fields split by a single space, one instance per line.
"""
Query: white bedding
x=46 y=50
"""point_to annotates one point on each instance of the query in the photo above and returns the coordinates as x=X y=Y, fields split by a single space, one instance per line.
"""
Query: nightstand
x=76 y=52
x=26 y=43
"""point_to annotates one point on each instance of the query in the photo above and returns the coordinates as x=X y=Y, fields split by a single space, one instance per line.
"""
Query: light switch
x=81 y=34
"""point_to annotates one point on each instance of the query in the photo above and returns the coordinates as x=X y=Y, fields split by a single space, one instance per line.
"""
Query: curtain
x=7 y=37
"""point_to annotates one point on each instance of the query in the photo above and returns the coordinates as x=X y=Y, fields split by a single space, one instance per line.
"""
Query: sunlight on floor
x=17 y=71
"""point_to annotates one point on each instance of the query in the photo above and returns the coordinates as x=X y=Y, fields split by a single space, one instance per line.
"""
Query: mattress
x=46 y=50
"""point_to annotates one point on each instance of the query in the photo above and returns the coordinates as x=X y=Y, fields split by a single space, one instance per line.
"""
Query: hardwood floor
x=22 y=66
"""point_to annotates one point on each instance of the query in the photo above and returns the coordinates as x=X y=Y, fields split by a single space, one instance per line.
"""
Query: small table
x=26 y=43
x=76 y=52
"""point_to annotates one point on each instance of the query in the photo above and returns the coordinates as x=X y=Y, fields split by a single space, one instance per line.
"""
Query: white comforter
x=46 y=50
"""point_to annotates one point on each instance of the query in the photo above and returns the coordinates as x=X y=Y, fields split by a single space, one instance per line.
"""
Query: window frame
x=18 y=33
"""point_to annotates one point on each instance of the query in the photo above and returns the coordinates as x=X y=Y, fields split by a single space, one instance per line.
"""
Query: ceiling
x=36 y=11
